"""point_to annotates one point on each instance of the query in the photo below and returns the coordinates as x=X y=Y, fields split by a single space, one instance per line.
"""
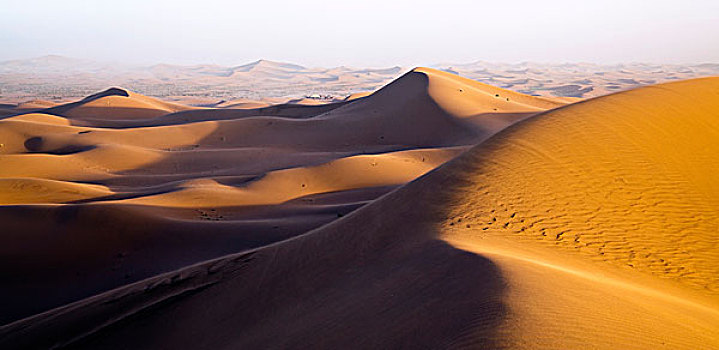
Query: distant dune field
x=435 y=212
x=60 y=79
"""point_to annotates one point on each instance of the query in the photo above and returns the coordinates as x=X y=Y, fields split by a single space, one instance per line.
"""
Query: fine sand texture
x=118 y=187
x=593 y=225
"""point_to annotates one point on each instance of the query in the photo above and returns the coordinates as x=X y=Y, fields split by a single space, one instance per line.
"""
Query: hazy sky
x=362 y=32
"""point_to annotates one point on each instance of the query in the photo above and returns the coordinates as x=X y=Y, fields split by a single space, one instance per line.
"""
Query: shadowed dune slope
x=92 y=201
x=593 y=225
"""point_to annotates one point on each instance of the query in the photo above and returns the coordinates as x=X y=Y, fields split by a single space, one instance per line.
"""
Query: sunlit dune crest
x=247 y=176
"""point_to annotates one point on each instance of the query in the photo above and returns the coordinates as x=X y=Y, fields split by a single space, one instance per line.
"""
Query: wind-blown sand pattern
x=589 y=225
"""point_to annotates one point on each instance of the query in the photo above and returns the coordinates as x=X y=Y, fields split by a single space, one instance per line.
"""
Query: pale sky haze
x=362 y=33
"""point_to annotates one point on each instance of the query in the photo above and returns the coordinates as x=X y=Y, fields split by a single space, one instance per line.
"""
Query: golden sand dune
x=592 y=225
x=117 y=103
x=33 y=190
x=280 y=186
x=122 y=187
x=628 y=181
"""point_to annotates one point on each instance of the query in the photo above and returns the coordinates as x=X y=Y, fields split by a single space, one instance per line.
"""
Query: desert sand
x=117 y=180
x=436 y=212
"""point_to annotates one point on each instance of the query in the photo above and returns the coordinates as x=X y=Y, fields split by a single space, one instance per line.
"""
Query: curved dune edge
x=398 y=258
x=49 y=146
x=461 y=97
x=41 y=118
x=275 y=187
x=193 y=184
x=117 y=103
x=37 y=191
x=625 y=179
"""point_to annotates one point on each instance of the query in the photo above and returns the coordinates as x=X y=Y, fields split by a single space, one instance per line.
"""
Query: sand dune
x=116 y=103
x=275 y=187
x=486 y=244
x=589 y=225
x=211 y=181
x=30 y=190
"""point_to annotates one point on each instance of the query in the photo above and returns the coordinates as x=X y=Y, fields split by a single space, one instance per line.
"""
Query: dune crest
x=177 y=185
x=116 y=103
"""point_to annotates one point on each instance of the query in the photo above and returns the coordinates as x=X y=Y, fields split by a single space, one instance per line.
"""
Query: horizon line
x=302 y=65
